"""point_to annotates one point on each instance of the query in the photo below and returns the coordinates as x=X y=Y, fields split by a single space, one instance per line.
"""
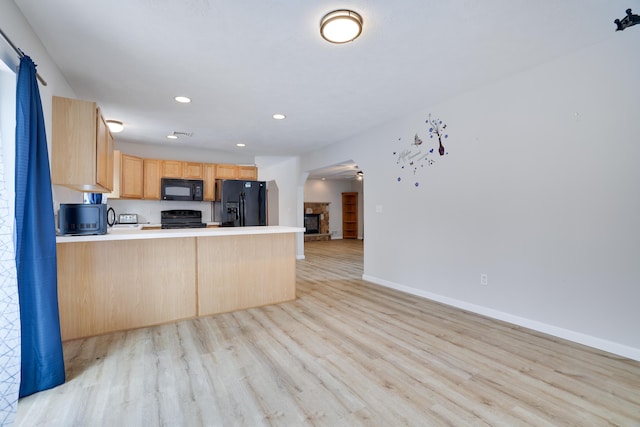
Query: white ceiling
x=243 y=61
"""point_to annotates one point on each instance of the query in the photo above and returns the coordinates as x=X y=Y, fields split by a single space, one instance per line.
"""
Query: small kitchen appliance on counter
x=128 y=218
x=181 y=218
x=80 y=219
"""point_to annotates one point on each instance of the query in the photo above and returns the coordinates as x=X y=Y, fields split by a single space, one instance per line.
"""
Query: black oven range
x=181 y=218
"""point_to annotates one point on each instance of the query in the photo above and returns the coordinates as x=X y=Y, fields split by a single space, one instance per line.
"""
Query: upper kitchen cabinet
x=178 y=169
x=248 y=172
x=171 y=169
x=152 y=178
x=81 y=147
x=117 y=167
x=192 y=170
x=226 y=171
x=209 y=178
x=128 y=177
x=131 y=177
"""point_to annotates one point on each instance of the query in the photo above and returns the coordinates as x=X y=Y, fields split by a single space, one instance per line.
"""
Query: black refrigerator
x=242 y=203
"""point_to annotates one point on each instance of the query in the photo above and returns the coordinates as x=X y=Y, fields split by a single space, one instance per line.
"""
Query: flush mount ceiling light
x=279 y=116
x=341 y=26
x=115 y=126
x=172 y=136
x=182 y=99
x=240 y=145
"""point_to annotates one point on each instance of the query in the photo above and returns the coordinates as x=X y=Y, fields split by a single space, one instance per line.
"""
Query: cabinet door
x=171 y=169
x=152 y=178
x=131 y=177
x=192 y=170
x=248 y=172
x=209 y=181
x=79 y=159
x=226 y=171
x=110 y=159
x=104 y=153
x=117 y=158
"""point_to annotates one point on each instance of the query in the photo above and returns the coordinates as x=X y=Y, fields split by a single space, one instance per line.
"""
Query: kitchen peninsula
x=135 y=278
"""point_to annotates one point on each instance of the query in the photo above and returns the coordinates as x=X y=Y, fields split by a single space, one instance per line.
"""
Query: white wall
x=540 y=191
x=18 y=30
x=285 y=173
x=174 y=151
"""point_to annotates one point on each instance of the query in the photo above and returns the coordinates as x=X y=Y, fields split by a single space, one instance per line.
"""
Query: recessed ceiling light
x=240 y=145
x=341 y=26
x=115 y=126
x=279 y=116
x=172 y=137
x=182 y=99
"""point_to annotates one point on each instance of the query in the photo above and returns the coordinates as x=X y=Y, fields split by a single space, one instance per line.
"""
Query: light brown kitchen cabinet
x=192 y=170
x=152 y=179
x=81 y=146
x=209 y=172
x=224 y=171
x=131 y=177
x=248 y=172
x=117 y=158
x=179 y=169
x=171 y=169
x=104 y=152
x=350 y=215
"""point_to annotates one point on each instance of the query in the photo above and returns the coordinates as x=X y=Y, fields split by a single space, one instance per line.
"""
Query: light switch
x=378 y=208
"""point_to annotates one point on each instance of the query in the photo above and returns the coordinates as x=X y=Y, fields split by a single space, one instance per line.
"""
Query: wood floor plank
x=345 y=353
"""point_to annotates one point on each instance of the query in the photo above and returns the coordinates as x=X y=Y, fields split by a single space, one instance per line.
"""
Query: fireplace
x=312 y=223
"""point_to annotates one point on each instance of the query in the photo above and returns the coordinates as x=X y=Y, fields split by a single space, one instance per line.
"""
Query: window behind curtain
x=8 y=125
x=9 y=307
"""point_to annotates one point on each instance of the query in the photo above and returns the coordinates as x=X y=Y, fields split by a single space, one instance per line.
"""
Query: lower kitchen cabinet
x=249 y=271
x=115 y=285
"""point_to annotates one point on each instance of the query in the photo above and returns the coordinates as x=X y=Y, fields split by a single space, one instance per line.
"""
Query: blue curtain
x=42 y=359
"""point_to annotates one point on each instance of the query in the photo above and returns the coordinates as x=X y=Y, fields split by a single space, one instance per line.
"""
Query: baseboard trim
x=577 y=337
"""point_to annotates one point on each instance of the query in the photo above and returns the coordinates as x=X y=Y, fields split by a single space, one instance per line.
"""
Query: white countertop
x=134 y=233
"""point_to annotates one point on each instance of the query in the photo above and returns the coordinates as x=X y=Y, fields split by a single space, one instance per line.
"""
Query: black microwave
x=182 y=189
x=80 y=219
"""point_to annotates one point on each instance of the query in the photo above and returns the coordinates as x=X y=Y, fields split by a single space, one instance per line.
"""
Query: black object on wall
x=628 y=21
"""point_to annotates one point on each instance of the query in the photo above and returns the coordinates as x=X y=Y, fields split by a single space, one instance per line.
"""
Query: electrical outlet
x=484 y=279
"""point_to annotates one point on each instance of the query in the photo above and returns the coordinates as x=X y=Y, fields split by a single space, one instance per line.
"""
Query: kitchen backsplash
x=149 y=210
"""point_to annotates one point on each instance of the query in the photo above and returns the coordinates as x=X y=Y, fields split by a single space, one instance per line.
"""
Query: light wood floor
x=345 y=353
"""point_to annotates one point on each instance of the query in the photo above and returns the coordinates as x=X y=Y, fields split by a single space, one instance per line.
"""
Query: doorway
x=323 y=195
